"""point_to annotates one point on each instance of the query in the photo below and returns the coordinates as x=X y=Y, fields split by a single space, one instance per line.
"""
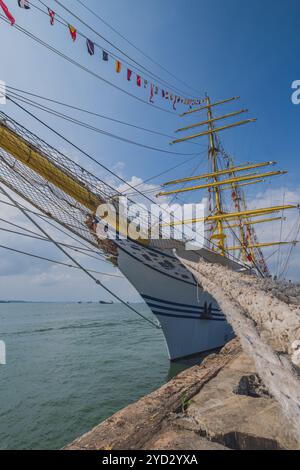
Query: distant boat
x=102 y=302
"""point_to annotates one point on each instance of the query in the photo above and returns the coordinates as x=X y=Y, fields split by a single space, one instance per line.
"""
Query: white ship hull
x=191 y=319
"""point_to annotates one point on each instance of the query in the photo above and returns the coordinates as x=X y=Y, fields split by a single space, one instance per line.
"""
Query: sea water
x=70 y=366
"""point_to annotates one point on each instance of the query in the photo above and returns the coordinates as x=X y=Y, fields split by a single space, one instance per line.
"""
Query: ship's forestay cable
x=61 y=263
x=133 y=64
x=79 y=265
x=100 y=164
x=91 y=113
x=34 y=235
x=135 y=46
x=47 y=219
x=90 y=127
x=82 y=67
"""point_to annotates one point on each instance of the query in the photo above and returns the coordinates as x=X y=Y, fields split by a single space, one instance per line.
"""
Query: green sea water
x=70 y=366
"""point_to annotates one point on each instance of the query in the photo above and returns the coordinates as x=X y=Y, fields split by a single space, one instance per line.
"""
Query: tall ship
x=63 y=191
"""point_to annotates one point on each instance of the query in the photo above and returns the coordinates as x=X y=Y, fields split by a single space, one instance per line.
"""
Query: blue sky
x=223 y=48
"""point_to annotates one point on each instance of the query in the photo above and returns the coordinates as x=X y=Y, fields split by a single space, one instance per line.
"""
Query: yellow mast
x=263 y=245
x=255 y=222
x=212 y=153
x=34 y=158
x=237 y=202
x=224 y=188
x=215 y=119
x=211 y=131
x=235 y=215
x=209 y=105
x=64 y=177
x=232 y=169
x=217 y=183
x=242 y=218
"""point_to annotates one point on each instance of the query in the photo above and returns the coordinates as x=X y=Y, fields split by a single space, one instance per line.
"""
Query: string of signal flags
x=155 y=91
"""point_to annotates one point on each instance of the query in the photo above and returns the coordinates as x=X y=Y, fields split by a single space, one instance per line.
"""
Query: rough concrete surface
x=207 y=407
x=265 y=316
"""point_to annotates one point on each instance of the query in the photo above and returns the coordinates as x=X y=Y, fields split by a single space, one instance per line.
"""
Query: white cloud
x=118 y=168
x=135 y=186
x=23 y=277
x=53 y=276
x=287 y=230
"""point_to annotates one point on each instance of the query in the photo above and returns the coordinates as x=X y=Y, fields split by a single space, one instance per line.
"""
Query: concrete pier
x=265 y=316
x=245 y=397
x=220 y=404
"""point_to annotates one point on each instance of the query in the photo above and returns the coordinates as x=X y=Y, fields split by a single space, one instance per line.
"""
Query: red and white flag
x=7 y=13
x=24 y=4
x=52 y=16
x=129 y=74
x=151 y=93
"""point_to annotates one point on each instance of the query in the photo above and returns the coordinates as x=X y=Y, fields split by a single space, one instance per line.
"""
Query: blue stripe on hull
x=199 y=309
x=188 y=317
x=168 y=302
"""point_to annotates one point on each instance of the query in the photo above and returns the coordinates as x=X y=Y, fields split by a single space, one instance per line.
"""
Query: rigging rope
x=40 y=238
x=283 y=273
x=146 y=71
x=46 y=218
x=32 y=255
x=164 y=172
x=82 y=67
x=90 y=127
x=281 y=228
x=242 y=201
x=91 y=113
x=230 y=256
x=59 y=2
x=78 y=265
x=133 y=45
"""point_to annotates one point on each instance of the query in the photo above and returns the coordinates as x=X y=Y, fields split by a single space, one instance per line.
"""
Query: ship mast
x=231 y=178
x=212 y=155
x=24 y=156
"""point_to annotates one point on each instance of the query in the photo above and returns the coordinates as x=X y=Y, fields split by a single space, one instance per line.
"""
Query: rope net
x=53 y=183
x=44 y=196
x=47 y=195
x=63 y=190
